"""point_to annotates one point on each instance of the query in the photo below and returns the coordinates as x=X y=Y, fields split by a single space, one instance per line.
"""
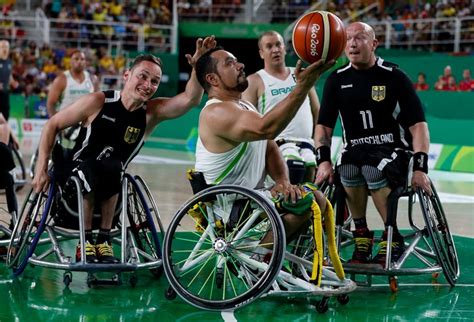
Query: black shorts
x=377 y=165
x=102 y=177
x=6 y=164
x=5 y=104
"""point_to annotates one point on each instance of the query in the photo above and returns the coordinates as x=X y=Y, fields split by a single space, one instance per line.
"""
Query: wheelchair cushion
x=197 y=181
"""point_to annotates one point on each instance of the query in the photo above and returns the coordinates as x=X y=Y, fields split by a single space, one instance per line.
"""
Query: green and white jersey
x=74 y=89
x=243 y=165
x=301 y=127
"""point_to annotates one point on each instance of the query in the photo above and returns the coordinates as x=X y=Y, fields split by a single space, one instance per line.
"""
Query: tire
x=210 y=266
x=145 y=223
x=19 y=173
x=28 y=229
x=441 y=238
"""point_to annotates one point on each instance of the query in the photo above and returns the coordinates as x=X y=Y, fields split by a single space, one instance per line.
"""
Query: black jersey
x=5 y=74
x=376 y=106
x=115 y=132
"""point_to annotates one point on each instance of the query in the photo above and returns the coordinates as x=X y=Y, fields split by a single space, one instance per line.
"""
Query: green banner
x=227 y=30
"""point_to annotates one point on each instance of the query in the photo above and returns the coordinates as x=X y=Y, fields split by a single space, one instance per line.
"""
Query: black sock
x=89 y=236
x=361 y=223
x=104 y=236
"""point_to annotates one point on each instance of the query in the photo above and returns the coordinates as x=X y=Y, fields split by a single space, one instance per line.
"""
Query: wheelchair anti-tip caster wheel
x=393 y=281
x=343 y=299
x=67 y=278
x=322 y=305
x=170 y=294
x=133 y=280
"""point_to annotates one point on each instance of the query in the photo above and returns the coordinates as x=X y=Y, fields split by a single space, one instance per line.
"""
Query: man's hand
x=289 y=191
x=309 y=75
x=40 y=182
x=421 y=180
x=201 y=47
x=325 y=172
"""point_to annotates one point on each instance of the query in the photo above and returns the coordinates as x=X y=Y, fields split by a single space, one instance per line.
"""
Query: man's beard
x=240 y=87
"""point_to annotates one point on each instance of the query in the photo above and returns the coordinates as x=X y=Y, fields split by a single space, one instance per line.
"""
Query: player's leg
x=380 y=190
x=356 y=199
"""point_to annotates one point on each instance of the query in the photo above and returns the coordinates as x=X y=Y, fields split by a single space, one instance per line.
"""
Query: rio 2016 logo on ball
x=319 y=35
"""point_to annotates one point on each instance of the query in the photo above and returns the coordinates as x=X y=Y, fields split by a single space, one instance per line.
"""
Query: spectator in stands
x=6 y=79
x=446 y=74
x=467 y=83
x=440 y=84
x=452 y=87
x=421 y=84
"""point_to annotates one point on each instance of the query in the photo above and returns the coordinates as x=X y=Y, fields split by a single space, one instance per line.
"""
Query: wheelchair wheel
x=145 y=222
x=28 y=229
x=19 y=172
x=217 y=250
x=442 y=241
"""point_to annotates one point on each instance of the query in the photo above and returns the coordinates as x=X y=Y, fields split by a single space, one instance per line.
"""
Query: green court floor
x=40 y=295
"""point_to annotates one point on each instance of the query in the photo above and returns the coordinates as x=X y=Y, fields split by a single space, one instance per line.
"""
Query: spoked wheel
x=224 y=248
x=441 y=239
x=145 y=222
x=19 y=172
x=28 y=229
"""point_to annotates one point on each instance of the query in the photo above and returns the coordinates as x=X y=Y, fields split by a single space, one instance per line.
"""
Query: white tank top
x=243 y=165
x=301 y=127
x=74 y=90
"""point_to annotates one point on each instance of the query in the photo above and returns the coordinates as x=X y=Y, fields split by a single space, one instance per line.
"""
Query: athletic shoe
x=105 y=254
x=398 y=247
x=363 y=239
x=91 y=256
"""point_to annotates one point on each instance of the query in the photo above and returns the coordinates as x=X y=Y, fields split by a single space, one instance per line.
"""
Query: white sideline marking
x=228 y=316
x=446 y=197
x=424 y=285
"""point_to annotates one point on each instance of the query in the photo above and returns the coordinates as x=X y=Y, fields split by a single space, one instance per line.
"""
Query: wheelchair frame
x=209 y=261
x=432 y=244
x=34 y=227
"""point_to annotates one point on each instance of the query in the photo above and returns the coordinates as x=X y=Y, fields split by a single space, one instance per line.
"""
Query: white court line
x=228 y=316
x=423 y=284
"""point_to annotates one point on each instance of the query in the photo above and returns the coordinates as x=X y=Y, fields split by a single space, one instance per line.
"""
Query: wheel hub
x=220 y=245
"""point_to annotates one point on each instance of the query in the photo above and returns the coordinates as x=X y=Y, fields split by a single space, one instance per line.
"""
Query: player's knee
x=297 y=170
x=374 y=177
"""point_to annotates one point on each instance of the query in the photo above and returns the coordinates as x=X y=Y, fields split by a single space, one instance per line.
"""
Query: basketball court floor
x=40 y=295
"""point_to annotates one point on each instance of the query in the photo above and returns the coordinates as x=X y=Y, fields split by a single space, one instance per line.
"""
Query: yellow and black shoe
x=91 y=255
x=364 y=240
x=105 y=254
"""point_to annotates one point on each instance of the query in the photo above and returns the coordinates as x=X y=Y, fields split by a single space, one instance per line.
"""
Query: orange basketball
x=319 y=35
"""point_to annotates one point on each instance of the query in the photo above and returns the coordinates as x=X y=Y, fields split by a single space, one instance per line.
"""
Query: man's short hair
x=268 y=33
x=206 y=65
x=146 y=57
x=75 y=51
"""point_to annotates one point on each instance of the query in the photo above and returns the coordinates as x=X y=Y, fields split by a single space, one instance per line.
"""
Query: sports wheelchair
x=216 y=254
x=48 y=220
x=8 y=200
x=429 y=246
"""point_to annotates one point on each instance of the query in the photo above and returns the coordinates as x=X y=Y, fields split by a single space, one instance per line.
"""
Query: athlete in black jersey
x=380 y=114
x=114 y=124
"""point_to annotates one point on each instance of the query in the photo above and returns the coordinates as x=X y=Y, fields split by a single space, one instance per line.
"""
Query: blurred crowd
x=35 y=67
x=138 y=11
x=447 y=82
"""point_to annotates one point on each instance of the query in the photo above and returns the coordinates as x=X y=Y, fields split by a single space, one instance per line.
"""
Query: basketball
x=319 y=35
